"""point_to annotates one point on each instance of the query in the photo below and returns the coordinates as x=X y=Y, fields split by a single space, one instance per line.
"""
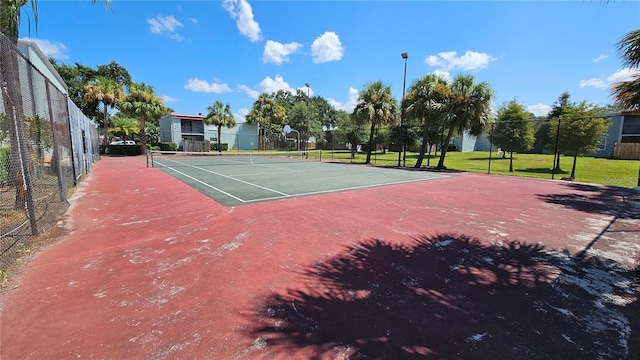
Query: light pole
x=403 y=130
x=306 y=146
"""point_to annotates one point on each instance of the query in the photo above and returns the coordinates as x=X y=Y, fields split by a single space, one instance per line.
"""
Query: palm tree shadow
x=448 y=296
x=620 y=202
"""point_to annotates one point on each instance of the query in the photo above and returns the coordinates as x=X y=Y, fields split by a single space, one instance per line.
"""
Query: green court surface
x=237 y=179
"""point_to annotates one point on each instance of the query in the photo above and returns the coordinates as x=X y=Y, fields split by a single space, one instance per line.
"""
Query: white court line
x=344 y=189
x=261 y=165
x=232 y=178
x=203 y=183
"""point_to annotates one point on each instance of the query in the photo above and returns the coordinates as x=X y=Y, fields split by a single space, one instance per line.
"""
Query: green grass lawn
x=588 y=169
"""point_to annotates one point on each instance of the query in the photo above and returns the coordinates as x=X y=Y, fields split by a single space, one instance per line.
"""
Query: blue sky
x=197 y=52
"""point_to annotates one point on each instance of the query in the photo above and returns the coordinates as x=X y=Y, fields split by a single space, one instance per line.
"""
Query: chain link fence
x=46 y=145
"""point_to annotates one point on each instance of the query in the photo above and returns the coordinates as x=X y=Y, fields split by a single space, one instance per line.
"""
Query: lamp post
x=403 y=130
x=306 y=146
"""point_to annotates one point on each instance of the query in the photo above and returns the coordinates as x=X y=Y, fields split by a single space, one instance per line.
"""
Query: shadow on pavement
x=451 y=296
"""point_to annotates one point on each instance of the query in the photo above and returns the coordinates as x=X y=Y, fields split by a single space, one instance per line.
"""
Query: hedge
x=224 y=146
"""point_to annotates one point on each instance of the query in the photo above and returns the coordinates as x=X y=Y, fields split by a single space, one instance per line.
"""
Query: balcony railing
x=631 y=129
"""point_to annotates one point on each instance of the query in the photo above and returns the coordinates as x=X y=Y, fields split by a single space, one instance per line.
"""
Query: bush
x=128 y=150
x=5 y=163
x=224 y=146
x=168 y=146
x=452 y=147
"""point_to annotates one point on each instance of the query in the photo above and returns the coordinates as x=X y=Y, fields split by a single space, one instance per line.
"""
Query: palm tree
x=106 y=91
x=425 y=102
x=10 y=16
x=267 y=114
x=220 y=115
x=470 y=108
x=124 y=126
x=376 y=105
x=627 y=93
x=143 y=103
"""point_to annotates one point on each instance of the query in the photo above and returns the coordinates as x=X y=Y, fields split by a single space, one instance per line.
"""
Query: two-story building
x=624 y=127
x=179 y=127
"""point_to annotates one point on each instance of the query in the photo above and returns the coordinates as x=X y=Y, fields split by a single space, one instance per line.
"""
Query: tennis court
x=240 y=178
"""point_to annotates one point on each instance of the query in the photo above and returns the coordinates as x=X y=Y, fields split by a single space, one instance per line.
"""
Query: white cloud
x=194 y=21
x=198 y=85
x=278 y=53
x=605 y=81
x=539 y=109
x=449 y=60
x=241 y=115
x=249 y=91
x=167 y=25
x=327 y=47
x=600 y=57
x=242 y=13
x=50 y=49
x=442 y=74
x=349 y=105
x=269 y=85
x=167 y=98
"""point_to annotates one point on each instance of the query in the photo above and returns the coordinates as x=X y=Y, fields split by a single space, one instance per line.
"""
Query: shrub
x=5 y=163
x=452 y=147
x=224 y=146
x=128 y=150
x=168 y=146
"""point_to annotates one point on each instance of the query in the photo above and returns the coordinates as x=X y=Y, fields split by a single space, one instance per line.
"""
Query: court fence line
x=46 y=145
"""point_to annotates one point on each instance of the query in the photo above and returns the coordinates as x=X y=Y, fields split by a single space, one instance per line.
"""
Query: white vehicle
x=125 y=142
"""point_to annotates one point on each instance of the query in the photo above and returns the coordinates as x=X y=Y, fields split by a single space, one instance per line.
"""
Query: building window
x=602 y=144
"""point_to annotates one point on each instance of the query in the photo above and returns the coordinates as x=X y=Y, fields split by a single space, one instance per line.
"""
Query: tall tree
x=581 y=130
x=115 y=72
x=108 y=92
x=76 y=77
x=220 y=115
x=470 y=109
x=142 y=103
x=627 y=93
x=513 y=130
x=376 y=105
x=560 y=108
x=349 y=131
x=269 y=115
x=425 y=103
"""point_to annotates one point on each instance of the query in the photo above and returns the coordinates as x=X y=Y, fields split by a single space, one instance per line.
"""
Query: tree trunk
x=371 y=134
x=443 y=151
x=219 y=141
x=424 y=145
x=106 y=125
x=143 y=135
x=510 y=161
x=573 y=167
x=558 y=169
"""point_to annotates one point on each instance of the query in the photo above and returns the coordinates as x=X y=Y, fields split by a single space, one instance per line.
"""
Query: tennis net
x=184 y=158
